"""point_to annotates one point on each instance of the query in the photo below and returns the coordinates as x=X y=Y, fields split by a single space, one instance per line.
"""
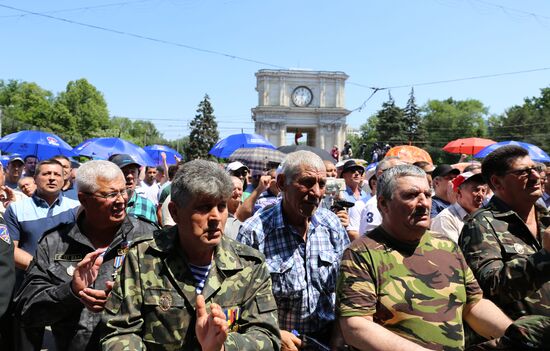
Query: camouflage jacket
x=417 y=291
x=45 y=297
x=509 y=263
x=152 y=305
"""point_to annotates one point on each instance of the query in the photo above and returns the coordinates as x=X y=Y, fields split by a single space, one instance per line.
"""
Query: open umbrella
x=323 y=154
x=154 y=151
x=409 y=153
x=226 y=146
x=103 y=148
x=37 y=143
x=535 y=152
x=258 y=158
x=468 y=146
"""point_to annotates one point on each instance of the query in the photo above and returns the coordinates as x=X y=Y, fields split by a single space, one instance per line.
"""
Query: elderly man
x=369 y=217
x=403 y=287
x=302 y=245
x=138 y=206
x=31 y=217
x=470 y=190
x=443 y=176
x=507 y=243
x=27 y=186
x=159 y=300
x=76 y=264
x=233 y=225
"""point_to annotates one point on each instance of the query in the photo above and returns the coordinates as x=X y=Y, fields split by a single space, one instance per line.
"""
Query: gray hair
x=91 y=171
x=386 y=163
x=200 y=178
x=387 y=181
x=295 y=161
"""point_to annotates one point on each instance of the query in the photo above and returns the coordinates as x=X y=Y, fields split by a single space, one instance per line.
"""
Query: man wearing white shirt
x=149 y=187
x=470 y=190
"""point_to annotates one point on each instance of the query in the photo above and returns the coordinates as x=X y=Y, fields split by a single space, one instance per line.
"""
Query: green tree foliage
x=204 y=131
x=87 y=105
x=414 y=127
x=391 y=127
x=529 y=122
x=451 y=119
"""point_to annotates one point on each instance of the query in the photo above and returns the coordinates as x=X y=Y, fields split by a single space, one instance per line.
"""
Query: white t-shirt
x=370 y=216
x=150 y=192
x=354 y=214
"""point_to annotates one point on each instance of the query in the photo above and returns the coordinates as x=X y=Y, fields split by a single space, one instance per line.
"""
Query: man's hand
x=93 y=299
x=163 y=156
x=211 y=329
x=86 y=271
x=7 y=196
x=263 y=183
x=289 y=341
x=343 y=217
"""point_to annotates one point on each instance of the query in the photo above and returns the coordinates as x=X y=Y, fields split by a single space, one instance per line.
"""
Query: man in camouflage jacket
x=507 y=243
x=167 y=284
x=404 y=287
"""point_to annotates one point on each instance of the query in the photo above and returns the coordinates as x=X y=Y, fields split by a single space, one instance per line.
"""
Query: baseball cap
x=233 y=166
x=351 y=165
x=466 y=176
x=16 y=158
x=123 y=160
x=443 y=170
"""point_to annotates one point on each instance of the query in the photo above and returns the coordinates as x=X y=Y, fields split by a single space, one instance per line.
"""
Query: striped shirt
x=200 y=273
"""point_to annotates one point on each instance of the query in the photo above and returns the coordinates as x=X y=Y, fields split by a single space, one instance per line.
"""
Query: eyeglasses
x=525 y=172
x=113 y=195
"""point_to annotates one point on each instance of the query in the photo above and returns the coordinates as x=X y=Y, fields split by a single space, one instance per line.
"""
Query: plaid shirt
x=303 y=273
x=142 y=208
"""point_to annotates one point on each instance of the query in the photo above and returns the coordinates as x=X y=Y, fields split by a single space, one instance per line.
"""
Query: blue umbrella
x=103 y=148
x=37 y=143
x=225 y=147
x=535 y=152
x=154 y=152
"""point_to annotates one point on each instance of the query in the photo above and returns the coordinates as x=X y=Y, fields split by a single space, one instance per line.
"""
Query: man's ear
x=173 y=209
x=281 y=180
x=382 y=204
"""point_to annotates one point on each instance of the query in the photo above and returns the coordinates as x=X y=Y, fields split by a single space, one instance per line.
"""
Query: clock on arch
x=302 y=96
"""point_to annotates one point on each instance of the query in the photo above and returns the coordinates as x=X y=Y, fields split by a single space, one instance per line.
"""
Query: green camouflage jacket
x=152 y=305
x=509 y=263
x=417 y=291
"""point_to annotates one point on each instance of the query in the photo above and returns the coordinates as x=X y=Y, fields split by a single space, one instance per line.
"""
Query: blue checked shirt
x=304 y=273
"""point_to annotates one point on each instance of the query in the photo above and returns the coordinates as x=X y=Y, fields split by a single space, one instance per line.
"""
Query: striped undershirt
x=200 y=273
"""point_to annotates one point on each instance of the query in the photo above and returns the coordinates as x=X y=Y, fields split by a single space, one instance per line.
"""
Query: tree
x=204 y=131
x=451 y=119
x=413 y=121
x=391 y=126
x=87 y=105
x=529 y=122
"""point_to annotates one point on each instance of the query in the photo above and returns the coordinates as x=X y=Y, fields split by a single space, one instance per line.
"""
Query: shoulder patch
x=4 y=235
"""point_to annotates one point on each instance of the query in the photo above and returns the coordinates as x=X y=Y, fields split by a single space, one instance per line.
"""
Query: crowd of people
x=310 y=255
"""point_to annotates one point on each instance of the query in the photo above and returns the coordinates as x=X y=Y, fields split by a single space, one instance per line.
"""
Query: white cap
x=233 y=166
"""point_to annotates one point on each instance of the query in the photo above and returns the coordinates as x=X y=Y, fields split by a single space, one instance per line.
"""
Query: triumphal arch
x=310 y=103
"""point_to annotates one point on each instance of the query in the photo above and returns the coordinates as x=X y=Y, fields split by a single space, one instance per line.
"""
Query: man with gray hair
x=166 y=283
x=404 y=287
x=72 y=274
x=302 y=244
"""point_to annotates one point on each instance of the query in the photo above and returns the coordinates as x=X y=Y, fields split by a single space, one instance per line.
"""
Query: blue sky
x=385 y=43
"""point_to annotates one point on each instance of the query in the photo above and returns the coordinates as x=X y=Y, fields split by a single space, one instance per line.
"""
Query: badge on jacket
x=4 y=235
x=232 y=315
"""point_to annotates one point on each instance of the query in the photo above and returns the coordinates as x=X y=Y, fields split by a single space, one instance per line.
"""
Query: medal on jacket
x=119 y=259
x=232 y=315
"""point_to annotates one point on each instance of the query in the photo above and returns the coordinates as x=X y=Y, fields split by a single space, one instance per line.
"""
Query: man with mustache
x=303 y=245
x=470 y=190
x=191 y=287
x=507 y=243
x=403 y=287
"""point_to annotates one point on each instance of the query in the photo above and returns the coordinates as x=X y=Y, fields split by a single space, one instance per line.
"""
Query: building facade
x=299 y=101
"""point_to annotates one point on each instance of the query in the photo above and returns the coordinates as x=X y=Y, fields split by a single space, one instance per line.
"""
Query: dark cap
x=443 y=170
x=351 y=166
x=123 y=160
